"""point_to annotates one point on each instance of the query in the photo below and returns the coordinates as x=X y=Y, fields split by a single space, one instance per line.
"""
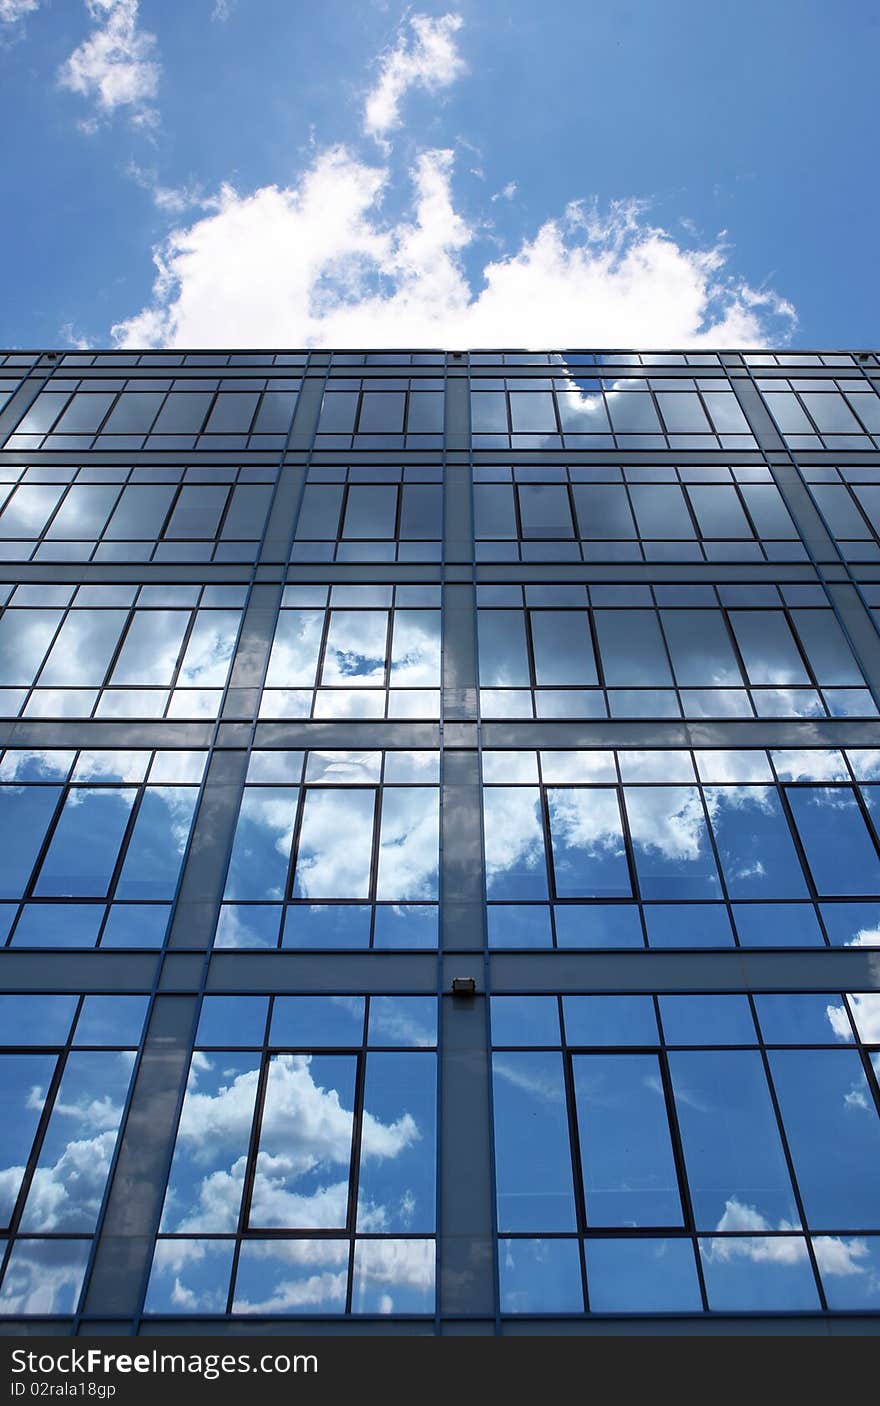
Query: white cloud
x=324 y=267
x=505 y=193
x=222 y=10
x=171 y=200
x=428 y=60
x=115 y=65
x=11 y=11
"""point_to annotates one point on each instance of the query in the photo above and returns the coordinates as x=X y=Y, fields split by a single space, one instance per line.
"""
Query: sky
x=274 y=173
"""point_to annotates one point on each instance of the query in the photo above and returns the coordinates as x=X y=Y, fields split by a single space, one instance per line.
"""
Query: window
x=335 y=850
x=671 y=849
x=66 y=1063
x=317 y=1116
x=628 y=1153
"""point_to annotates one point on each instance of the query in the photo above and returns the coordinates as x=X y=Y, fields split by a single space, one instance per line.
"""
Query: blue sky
x=272 y=172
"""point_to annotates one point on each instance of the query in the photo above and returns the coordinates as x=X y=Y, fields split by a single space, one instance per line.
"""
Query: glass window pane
x=545 y=510
x=494 y=511
x=826 y=648
x=415 y=649
x=72 y=869
x=151 y=647
x=409 y=841
x=755 y=845
x=24 y=1083
x=700 y=647
x=355 y=650
x=532 y=1146
x=631 y=648
x=563 y=647
x=68 y=1184
x=671 y=843
x=718 y=511
x=644 y=1275
x=294 y=658
x=83 y=648
x=25 y=813
x=603 y=511
x=261 y=849
x=133 y=413
x=155 y=851
x=370 y=511
x=304 y=1155
x=540 y=1276
x=833 y=1133
x=840 y=852
x=183 y=412
x=25 y=635
x=84 y=413
x=767 y=647
x=335 y=844
x=84 y=511
x=589 y=855
x=503 y=654
x=661 y=511
x=682 y=412
x=140 y=512
x=396 y=1192
x=633 y=413
x=514 y=841
x=732 y=1149
x=626 y=1148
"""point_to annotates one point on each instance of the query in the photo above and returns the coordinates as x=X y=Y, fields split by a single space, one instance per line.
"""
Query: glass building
x=441 y=802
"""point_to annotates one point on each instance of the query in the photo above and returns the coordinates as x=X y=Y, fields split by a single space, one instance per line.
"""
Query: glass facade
x=440 y=881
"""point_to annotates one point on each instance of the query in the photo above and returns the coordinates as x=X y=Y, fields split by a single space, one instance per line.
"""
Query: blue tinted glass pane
x=671 y=842
x=540 y=1276
x=232 y=1020
x=305 y=1022
x=519 y=925
x=59 y=925
x=563 y=647
x=754 y=1274
x=589 y=856
x=393 y=1276
x=284 y=1276
x=335 y=844
x=777 y=925
x=598 y=925
x=398 y=1155
x=158 y=842
x=78 y=1145
x=303 y=1164
x=525 y=1020
x=409 y=843
x=25 y=812
x=609 y=1020
x=688 y=925
x=502 y=643
x=326 y=925
x=626 y=1149
x=840 y=852
x=834 y=1135
x=190 y=1276
x=111 y=1020
x=23 y=1088
x=405 y=925
x=850 y=1270
x=852 y=924
x=44 y=1276
x=248 y=925
x=514 y=838
x=632 y=649
x=532 y=1148
x=644 y=1275
x=135 y=925
x=755 y=846
x=76 y=869
x=707 y=1020
x=403 y=1020
x=733 y=1154
x=212 y=1144
x=258 y=867
x=35 y=1020
x=803 y=1019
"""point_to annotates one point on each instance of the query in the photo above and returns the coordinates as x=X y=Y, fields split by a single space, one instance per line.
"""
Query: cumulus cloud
x=427 y=59
x=116 y=64
x=325 y=266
